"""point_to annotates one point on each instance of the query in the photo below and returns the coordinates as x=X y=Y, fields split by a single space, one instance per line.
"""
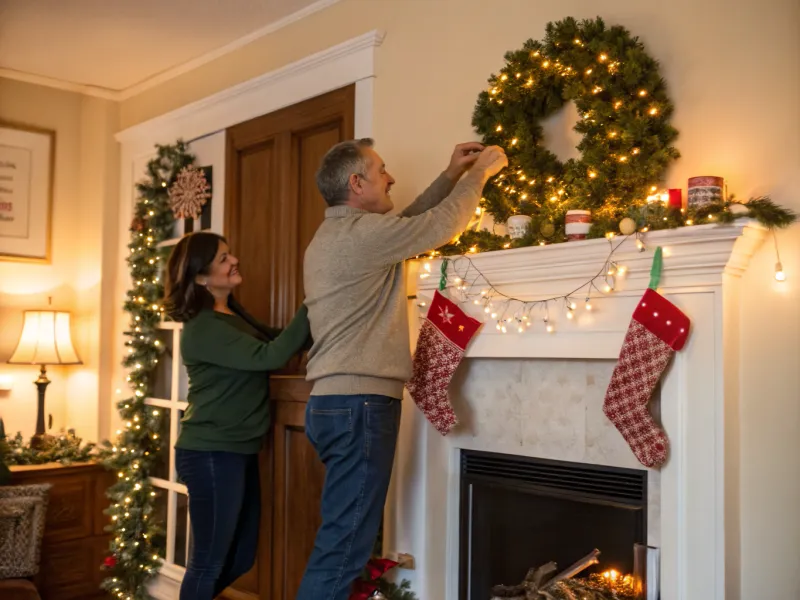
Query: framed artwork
x=27 y=157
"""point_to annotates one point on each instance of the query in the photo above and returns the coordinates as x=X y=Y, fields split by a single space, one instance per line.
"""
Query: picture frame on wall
x=27 y=159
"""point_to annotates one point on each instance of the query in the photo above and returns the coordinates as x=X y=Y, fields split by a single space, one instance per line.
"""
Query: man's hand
x=491 y=161
x=464 y=156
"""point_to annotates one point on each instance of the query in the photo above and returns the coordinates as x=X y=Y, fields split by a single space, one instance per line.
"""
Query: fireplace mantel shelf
x=703 y=271
x=697 y=259
x=696 y=255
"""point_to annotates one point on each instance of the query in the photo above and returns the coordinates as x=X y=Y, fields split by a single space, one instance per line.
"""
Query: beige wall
x=733 y=69
x=85 y=190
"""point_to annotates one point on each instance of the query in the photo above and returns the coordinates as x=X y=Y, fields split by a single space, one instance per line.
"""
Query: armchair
x=23 y=509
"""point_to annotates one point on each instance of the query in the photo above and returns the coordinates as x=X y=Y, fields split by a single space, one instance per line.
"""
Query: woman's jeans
x=224 y=509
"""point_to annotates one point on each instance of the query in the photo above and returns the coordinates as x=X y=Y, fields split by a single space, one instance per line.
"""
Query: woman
x=228 y=357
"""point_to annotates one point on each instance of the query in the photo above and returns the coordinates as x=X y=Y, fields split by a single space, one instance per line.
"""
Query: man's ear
x=355 y=183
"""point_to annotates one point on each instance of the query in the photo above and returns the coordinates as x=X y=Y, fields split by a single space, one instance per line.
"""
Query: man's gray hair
x=341 y=161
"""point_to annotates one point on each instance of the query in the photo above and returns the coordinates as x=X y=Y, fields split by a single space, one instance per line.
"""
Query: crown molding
x=340 y=65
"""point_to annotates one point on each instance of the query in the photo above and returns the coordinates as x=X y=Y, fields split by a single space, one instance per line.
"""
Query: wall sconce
x=45 y=340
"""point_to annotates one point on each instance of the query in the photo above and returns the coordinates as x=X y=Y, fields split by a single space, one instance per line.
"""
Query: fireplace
x=518 y=512
x=540 y=395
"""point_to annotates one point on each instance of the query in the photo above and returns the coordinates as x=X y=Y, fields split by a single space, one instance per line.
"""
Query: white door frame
x=351 y=62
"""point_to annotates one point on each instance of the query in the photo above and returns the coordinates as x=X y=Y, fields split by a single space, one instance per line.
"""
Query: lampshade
x=45 y=340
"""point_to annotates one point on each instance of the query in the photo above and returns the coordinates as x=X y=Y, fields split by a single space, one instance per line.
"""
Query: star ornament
x=445 y=315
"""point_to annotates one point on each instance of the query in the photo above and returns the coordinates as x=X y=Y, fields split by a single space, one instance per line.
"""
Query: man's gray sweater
x=355 y=286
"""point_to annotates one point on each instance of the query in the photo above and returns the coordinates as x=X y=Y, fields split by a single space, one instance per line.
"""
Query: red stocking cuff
x=663 y=319
x=458 y=327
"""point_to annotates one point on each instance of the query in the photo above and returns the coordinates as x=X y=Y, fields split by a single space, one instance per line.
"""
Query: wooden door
x=272 y=206
x=272 y=209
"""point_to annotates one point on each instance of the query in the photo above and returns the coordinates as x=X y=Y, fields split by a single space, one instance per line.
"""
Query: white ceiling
x=117 y=44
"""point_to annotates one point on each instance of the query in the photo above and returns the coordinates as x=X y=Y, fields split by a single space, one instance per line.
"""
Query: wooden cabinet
x=74 y=543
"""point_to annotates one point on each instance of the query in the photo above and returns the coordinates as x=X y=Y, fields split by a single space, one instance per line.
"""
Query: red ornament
x=110 y=561
x=676 y=198
x=137 y=224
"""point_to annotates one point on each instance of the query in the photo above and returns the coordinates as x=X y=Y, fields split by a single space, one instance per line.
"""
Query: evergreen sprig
x=136 y=545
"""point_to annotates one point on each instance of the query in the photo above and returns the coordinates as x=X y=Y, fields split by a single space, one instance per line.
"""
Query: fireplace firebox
x=518 y=512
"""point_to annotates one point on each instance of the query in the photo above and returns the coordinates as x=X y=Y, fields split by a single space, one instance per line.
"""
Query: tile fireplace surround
x=540 y=395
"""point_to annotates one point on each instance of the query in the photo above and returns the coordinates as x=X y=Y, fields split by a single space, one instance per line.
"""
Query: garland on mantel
x=649 y=217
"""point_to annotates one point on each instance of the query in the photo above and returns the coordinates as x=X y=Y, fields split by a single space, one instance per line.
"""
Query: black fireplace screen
x=518 y=513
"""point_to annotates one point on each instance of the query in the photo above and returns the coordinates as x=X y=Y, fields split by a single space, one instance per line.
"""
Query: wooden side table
x=75 y=542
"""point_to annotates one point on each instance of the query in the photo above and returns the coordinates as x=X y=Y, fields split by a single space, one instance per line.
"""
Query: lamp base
x=41 y=386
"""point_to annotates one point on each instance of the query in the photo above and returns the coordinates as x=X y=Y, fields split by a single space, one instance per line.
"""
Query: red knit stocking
x=657 y=330
x=443 y=338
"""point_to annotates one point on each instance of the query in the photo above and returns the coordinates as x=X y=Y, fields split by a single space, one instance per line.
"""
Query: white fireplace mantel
x=699 y=394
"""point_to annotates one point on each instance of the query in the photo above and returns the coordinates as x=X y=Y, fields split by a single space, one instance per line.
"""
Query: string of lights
x=467 y=284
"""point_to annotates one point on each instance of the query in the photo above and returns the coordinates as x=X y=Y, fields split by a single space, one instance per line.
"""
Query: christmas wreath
x=624 y=108
x=626 y=146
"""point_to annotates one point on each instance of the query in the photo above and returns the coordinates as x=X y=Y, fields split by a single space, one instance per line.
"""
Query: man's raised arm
x=464 y=156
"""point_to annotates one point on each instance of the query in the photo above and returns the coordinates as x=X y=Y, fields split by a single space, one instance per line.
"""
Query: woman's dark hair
x=191 y=256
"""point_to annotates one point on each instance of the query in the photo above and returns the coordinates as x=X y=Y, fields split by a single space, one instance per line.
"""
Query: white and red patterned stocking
x=658 y=329
x=443 y=338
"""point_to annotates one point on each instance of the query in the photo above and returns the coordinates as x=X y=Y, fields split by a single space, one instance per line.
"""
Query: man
x=356 y=297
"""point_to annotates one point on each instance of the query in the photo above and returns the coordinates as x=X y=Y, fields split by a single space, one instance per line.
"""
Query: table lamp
x=45 y=340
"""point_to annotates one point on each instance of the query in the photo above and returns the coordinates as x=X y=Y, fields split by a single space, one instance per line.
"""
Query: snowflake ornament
x=189 y=193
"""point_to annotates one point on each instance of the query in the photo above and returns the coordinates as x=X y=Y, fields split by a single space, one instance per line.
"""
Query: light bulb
x=550 y=328
x=588 y=304
x=779 y=273
x=570 y=315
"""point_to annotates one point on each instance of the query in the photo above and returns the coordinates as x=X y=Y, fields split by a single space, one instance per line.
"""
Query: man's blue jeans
x=355 y=437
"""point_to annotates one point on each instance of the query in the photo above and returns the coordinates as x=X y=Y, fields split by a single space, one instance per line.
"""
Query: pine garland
x=648 y=217
x=135 y=548
x=66 y=449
